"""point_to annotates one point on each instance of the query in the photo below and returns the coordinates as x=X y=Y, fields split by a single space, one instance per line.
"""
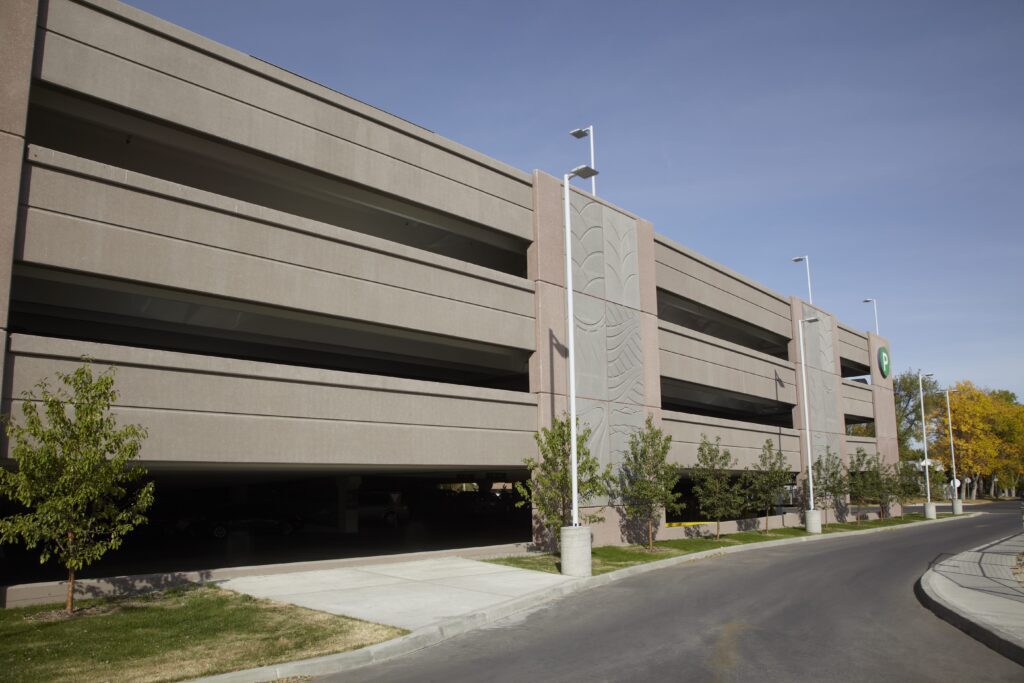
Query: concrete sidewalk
x=977 y=592
x=410 y=595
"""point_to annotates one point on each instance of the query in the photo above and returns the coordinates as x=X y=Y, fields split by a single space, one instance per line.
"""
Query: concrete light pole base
x=812 y=521
x=958 y=507
x=575 y=542
x=929 y=511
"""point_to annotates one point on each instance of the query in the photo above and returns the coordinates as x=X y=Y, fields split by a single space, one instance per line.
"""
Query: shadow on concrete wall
x=116 y=586
x=543 y=540
x=634 y=530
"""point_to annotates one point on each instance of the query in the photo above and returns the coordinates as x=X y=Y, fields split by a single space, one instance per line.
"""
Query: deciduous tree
x=550 y=487
x=862 y=484
x=974 y=434
x=906 y=393
x=881 y=483
x=75 y=477
x=766 y=480
x=906 y=483
x=831 y=485
x=646 y=479
x=719 y=496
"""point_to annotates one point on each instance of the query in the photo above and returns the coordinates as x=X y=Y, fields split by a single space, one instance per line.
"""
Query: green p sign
x=884 y=364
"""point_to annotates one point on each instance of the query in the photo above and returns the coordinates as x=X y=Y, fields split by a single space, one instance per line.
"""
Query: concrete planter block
x=575 y=543
x=929 y=511
x=958 y=507
x=813 y=521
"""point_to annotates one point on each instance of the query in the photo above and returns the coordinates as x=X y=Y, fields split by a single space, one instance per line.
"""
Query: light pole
x=575 y=540
x=812 y=517
x=958 y=504
x=579 y=134
x=929 y=507
x=807 y=262
x=874 y=305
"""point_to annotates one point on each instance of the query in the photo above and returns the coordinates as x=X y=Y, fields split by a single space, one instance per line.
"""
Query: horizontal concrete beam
x=694 y=357
x=869 y=444
x=683 y=274
x=743 y=439
x=94 y=218
x=857 y=399
x=149 y=66
x=210 y=409
x=853 y=345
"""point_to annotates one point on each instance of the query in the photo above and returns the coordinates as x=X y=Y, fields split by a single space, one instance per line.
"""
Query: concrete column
x=17 y=45
x=884 y=401
x=615 y=326
x=826 y=431
x=17 y=40
x=647 y=267
x=546 y=267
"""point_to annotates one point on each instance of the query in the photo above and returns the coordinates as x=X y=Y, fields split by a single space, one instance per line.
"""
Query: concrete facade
x=287 y=277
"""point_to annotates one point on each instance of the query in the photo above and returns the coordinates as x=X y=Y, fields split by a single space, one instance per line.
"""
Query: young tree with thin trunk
x=75 y=477
x=766 y=481
x=861 y=484
x=831 y=483
x=883 y=483
x=906 y=484
x=550 y=487
x=646 y=479
x=719 y=497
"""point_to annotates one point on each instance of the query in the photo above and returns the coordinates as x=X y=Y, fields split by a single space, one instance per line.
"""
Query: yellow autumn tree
x=1009 y=428
x=974 y=436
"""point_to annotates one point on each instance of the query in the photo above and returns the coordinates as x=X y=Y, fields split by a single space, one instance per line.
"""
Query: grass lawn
x=909 y=518
x=608 y=558
x=170 y=636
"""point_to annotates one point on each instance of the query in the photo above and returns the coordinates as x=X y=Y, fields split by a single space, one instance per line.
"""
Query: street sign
x=956 y=483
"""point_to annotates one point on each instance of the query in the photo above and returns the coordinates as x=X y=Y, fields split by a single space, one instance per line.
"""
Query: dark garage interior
x=205 y=519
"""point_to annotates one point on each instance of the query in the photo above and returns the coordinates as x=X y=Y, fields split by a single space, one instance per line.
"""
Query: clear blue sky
x=885 y=139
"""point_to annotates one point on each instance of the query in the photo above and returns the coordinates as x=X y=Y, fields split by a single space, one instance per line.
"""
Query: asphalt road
x=842 y=609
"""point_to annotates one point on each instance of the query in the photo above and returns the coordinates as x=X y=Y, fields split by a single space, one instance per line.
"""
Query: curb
x=1005 y=643
x=432 y=635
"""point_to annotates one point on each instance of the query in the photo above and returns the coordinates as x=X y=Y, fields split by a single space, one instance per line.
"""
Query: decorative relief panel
x=825 y=411
x=609 y=334
x=591 y=347
x=588 y=244
x=625 y=364
x=818 y=337
x=622 y=269
x=624 y=420
x=594 y=414
x=821 y=440
x=823 y=385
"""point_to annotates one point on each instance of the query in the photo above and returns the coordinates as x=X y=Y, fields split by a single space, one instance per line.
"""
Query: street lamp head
x=868 y=301
x=810 y=320
x=929 y=374
x=798 y=259
x=580 y=133
x=583 y=171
